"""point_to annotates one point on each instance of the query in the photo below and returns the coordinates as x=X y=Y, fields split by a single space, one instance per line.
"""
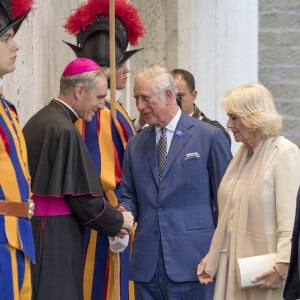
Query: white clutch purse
x=249 y=267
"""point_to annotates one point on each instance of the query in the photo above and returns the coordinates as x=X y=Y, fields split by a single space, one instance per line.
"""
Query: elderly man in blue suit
x=173 y=197
x=292 y=287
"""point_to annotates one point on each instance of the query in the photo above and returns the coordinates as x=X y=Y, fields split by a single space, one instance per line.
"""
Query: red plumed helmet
x=12 y=13
x=90 y=24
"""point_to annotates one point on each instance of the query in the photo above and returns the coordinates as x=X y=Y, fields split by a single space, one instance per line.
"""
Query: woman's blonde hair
x=254 y=105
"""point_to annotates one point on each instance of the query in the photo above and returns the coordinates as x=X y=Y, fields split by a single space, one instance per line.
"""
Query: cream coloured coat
x=257 y=201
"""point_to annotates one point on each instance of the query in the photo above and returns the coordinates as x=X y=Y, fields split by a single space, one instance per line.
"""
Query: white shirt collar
x=173 y=123
x=68 y=106
x=118 y=95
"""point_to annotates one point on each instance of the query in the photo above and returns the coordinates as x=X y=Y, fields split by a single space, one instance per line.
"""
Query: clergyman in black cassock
x=65 y=185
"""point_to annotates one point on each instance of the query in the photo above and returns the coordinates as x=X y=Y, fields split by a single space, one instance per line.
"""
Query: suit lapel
x=150 y=151
x=181 y=136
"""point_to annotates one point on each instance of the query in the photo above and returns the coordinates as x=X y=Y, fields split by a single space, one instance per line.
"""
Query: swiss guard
x=16 y=208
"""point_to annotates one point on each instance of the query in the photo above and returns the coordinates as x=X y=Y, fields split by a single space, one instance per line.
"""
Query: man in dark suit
x=173 y=200
x=292 y=286
x=186 y=90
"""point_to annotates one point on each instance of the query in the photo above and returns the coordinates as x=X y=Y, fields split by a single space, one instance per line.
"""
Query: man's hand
x=128 y=221
x=203 y=277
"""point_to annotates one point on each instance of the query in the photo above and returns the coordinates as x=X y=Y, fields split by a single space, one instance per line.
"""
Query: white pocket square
x=192 y=155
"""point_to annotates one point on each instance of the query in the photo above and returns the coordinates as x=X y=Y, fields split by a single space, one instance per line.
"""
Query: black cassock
x=60 y=165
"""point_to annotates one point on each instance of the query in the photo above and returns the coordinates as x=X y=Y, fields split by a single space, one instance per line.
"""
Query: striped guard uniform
x=16 y=239
x=106 y=141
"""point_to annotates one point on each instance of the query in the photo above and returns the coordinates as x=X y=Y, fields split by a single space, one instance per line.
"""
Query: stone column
x=224 y=50
x=41 y=57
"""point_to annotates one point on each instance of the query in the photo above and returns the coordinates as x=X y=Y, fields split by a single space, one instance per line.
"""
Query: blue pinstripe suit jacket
x=178 y=208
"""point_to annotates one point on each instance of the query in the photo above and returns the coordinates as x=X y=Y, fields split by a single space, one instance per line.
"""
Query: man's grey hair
x=161 y=78
x=88 y=79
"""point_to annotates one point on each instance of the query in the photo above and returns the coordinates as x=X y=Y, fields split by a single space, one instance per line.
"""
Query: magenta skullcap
x=79 y=66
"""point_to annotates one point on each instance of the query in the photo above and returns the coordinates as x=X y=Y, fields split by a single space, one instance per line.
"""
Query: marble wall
x=216 y=40
x=279 y=59
x=41 y=57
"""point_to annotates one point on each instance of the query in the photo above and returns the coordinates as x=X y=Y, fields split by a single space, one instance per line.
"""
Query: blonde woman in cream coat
x=257 y=198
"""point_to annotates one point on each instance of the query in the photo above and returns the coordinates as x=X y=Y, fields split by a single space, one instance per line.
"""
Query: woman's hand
x=203 y=277
x=274 y=278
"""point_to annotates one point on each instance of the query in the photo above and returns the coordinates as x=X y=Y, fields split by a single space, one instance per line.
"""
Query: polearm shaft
x=112 y=58
x=112 y=64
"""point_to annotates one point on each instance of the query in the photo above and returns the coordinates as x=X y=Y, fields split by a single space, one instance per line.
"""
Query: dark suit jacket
x=198 y=114
x=292 y=287
x=177 y=209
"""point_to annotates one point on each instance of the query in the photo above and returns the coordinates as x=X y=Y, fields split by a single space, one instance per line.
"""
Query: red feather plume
x=20 y=7
x=87 y=13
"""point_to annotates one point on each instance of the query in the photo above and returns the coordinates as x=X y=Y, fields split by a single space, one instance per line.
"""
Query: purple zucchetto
x=79 y=66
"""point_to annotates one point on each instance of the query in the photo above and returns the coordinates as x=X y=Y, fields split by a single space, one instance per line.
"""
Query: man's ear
x=78 y=90
x=169 y=95
x=194 y=94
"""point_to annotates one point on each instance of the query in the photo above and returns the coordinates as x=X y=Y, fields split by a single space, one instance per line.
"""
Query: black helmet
x=92 y=33
x=12 y=13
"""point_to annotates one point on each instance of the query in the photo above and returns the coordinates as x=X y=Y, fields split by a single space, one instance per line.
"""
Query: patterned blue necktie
x=161 y=151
